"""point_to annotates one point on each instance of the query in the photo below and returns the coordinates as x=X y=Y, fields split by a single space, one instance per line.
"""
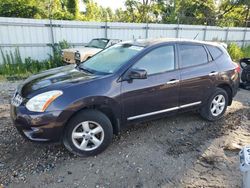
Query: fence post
x=177 y=31
x=146 y=34
x=205 y=33
x=177 y=28
x=106 y=29
x=51 y=28
x=226 y=38
x=52 y=34
x=244 y=37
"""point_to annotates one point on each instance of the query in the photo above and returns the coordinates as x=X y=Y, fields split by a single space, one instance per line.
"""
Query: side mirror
x=137 y=74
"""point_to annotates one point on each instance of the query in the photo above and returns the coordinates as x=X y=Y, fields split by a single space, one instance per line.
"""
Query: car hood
x=57 y=78
x=83 y=50
x=90 y=51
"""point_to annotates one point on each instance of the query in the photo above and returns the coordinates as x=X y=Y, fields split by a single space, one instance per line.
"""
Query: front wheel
x=216 y=105
x=88 y=133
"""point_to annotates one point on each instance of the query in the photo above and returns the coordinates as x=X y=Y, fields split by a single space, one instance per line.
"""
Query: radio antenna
x=196 y=36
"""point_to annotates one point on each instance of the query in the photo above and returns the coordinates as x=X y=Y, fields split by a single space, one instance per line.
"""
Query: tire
x=84 y=129
x=208 y=112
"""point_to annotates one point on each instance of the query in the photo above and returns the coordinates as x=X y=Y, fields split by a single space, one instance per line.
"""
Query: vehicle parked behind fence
x=77 y=55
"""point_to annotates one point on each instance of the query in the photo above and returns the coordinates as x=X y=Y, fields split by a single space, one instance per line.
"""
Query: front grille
x=68 y=55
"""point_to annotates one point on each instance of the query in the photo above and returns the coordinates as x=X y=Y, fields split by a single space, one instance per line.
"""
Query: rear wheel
x=88 y=133
x=216 y=105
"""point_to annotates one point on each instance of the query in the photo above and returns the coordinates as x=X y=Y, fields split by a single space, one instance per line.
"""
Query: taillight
x=237 y=67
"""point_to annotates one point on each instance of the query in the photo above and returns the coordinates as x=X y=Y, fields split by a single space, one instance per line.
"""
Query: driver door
x=159 y=92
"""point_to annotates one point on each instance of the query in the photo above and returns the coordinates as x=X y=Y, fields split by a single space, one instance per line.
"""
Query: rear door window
x=191 y=55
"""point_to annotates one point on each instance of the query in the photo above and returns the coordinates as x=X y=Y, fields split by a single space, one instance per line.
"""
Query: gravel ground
x=179 y=151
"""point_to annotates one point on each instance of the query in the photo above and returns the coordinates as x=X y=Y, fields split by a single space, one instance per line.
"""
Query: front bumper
x=44 y=126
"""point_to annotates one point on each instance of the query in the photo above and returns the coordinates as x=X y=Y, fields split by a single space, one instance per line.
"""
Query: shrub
x=235 y=51
x=14 y=67
x=246 y=51
x=12 y=64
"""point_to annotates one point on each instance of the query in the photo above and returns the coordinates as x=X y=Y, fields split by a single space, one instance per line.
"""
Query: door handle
x=173 y=81
x=214 y=73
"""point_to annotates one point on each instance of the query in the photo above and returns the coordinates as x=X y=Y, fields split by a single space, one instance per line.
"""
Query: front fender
x=90 y=102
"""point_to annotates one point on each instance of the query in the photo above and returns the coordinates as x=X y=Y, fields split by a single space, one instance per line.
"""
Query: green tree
x=56 y=9
x=196 y=11
x=233 y=13
x=208 y=12
x=94 y=12
x=73 y=7
x=141 y=11
x=18 y=8
x=34 y=9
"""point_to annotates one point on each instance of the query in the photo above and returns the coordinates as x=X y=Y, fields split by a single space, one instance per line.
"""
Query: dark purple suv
x=84 y=105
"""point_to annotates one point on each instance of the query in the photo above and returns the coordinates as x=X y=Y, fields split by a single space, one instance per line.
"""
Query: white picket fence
x=34 y=37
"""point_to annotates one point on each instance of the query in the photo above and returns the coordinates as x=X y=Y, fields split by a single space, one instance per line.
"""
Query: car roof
x=104 y=39
x=151 y=42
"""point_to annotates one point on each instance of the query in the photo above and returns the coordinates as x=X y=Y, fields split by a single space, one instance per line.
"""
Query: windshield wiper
x=84 y=69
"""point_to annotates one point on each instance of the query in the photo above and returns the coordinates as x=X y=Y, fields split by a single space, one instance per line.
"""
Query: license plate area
x=16 y=100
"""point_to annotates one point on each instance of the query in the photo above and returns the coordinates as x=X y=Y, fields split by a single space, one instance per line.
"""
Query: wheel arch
x=229 y=91
x=105 y=107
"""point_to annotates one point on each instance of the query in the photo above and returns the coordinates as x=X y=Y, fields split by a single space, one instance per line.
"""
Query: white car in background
x=77 y=55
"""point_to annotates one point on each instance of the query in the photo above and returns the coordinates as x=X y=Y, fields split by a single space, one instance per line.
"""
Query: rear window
x=214 y=51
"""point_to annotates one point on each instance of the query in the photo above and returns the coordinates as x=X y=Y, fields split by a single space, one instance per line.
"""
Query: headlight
x=77 y=56
x=40 y=102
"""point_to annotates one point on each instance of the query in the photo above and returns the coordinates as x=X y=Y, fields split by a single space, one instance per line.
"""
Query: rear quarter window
x=214 y=51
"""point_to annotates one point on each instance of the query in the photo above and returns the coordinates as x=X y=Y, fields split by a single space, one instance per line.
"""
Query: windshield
x=98 y=43
x=111 y=59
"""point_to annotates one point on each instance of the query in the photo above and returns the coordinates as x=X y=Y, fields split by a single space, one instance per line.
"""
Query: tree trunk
x=246 y=18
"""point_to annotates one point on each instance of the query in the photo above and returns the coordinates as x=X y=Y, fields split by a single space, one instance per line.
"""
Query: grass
x=14 y=68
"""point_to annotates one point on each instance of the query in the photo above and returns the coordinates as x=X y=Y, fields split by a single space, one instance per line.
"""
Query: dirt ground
x=179 y=151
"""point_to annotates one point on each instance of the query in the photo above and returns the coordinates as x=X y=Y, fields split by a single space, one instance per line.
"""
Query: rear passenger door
x=197 y=74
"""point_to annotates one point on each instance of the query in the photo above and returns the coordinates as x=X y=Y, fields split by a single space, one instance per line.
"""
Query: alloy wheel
x=88 y=135
x=218 y=105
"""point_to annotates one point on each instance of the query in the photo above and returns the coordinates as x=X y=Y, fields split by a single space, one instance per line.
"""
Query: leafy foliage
x=18 y=8
x=209 y=12
x=199 y=12
x=14 y=67
x=246 y=51
x=237 y=53
x=73 y=8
